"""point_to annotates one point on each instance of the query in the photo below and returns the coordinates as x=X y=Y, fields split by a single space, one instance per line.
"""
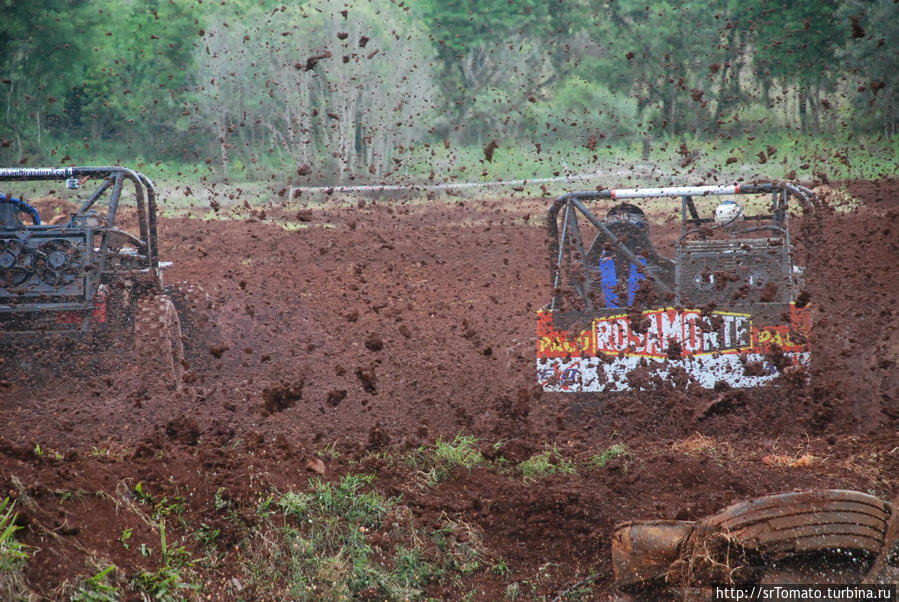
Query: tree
x=870 y=53
x=36 y=47
x=495 y=52
x=105 y=72
x=796 y=44
x=328 y=85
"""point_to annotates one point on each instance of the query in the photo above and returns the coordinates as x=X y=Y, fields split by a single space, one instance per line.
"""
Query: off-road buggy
x=83 y=280
x=727 y=309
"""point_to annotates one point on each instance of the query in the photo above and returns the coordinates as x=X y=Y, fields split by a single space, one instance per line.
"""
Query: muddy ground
x=363 y=331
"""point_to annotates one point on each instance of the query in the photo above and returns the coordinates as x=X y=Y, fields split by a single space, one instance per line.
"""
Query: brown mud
x=385 y=325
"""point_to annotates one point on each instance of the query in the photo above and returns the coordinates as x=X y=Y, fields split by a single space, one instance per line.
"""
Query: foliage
x=797 y=43
x=323 y=549
x=332 y=93
x=437 y=464
x=13 y=554
x=96 y=72
x=494 y=48
x=547 y=462
x=868 y=52
x=324 y=91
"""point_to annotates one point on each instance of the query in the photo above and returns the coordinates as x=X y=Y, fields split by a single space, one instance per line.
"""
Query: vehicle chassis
x=723 y=311
x=86 y=279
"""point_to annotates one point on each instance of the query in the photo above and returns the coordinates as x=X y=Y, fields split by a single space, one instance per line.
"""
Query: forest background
x=328 y=92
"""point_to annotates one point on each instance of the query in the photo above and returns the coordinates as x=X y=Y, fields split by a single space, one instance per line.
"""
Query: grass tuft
x=13 y=554
x=173 y=577
x=438 y=463
x=97 y=588
x=547 y=462
x=345 y=541
x=616 y=450
x=323 y=549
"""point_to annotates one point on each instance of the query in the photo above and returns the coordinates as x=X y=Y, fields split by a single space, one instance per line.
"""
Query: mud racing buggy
x=726 y=310
x=82 y=280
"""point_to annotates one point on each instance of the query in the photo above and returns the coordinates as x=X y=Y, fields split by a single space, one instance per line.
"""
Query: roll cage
x=114 y=177
x=74 y=265
x=571 y=257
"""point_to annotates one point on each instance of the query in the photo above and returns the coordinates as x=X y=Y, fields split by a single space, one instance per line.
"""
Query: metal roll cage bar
x=573 y=202
x=113 y=176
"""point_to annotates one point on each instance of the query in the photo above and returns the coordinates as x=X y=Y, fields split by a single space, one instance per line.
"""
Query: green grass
x=439 y=462
x=329 y=452
x=548 y=462
x=174 y=574
x=798 y=157
x=620 y=161
x=13 y=554
x=173 y=578
x=461 y=547
x=333 y=540
x=349 y=500
x=322 y=550
x=191 y=189
x=41 y=452
x=97 y=588
x=616 y=450
x=344 y=540
x=207 y=536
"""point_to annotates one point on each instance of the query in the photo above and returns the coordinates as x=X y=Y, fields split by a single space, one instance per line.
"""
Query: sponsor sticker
x=40 y=172
x=669 y=333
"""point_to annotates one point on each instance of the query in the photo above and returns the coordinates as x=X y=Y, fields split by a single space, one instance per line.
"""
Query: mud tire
x=158 y=346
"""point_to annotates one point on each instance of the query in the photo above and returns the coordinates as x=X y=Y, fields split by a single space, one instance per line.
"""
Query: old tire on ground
x=157 y=341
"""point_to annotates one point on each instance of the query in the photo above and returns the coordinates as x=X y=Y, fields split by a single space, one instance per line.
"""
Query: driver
x=629 y=223
x=728 y=213
x=628 y=214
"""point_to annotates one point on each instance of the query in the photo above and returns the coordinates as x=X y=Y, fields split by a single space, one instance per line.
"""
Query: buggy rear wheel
x=157 y=341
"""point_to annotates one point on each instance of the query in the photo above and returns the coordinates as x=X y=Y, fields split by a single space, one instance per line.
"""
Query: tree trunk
x=815 y=101
x=723 y=93
x=667 y=111
x=224 y=154
x=801 y=97
x=726 y=91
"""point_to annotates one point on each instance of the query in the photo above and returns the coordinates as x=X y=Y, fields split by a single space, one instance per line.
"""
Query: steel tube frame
x=780 y=196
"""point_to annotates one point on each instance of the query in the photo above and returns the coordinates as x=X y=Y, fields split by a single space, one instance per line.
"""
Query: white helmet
x=728 y=213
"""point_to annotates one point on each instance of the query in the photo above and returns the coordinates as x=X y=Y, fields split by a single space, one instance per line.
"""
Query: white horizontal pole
x=636 y=193
x=456 y=186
